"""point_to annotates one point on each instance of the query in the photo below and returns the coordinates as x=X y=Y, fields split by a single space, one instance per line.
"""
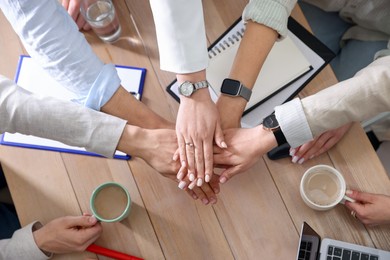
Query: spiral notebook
x=289 y=66
x=33 y=78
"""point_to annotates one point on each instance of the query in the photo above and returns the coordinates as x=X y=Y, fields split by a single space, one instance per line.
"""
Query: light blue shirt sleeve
x=52 y=38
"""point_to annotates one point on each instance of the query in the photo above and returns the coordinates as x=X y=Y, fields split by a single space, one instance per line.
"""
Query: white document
x=284 y=64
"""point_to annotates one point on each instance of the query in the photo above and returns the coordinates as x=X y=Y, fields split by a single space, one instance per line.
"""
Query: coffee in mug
x=110 y=202
x=323 y=187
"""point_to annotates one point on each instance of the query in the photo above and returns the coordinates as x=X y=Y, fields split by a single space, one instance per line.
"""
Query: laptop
x=311 y=247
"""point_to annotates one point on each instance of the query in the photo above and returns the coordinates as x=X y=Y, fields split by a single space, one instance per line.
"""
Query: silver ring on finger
x=190 y=144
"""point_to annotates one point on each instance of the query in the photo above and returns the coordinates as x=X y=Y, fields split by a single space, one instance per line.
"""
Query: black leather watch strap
x=279 y=136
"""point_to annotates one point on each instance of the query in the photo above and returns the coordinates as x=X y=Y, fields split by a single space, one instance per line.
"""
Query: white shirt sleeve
x=181 y=35
x=52 y=38
x=293 y=123
x=355 y=99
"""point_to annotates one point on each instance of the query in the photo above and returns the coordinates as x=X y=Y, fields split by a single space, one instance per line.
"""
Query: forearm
x=271 y=13
x=125 y=106
x=64 y=121
x=254 y=48
x=355 y=99
x=52 y=38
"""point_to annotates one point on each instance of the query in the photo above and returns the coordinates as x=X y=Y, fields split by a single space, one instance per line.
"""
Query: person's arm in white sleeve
x=183 y=50
x=327 y=115
x=52 y=38
x=181 y=35
x=355 y=99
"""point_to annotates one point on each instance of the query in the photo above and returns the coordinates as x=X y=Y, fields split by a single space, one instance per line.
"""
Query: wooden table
x=259 y=213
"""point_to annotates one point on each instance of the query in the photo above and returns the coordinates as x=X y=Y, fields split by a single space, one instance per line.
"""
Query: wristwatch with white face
x=270 y=123
x=188 y=88
x=235 y=88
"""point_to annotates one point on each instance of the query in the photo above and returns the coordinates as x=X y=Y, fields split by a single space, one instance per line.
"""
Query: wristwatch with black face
x=235 y=88
x=188 y=88
x=270 y=123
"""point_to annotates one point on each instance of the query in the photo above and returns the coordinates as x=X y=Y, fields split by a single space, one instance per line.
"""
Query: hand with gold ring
x=371 y=209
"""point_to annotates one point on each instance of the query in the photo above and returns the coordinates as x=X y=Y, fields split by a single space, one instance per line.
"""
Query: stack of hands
x=209 y=137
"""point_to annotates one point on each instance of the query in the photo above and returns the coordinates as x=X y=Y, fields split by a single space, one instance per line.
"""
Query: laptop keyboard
x=304 y=250
x=338 y=253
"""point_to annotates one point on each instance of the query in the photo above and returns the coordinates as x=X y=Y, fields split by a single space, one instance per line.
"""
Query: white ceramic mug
x=323 y=187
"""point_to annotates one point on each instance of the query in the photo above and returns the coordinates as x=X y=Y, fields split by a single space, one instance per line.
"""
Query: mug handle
x=346 y=198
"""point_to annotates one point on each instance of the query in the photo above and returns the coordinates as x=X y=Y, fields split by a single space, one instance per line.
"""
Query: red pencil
x=110 y=253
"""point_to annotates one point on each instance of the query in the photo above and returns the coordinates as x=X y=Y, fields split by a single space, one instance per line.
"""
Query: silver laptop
x=311 y=247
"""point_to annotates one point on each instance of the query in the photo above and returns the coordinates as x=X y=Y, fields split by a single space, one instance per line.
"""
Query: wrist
x=39 y=238
x=201 y=95
x=131 y=140
x=192 y=77
x=267 y=140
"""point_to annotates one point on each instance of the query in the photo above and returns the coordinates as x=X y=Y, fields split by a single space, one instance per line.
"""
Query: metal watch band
x=201 y=84
x=245 y=92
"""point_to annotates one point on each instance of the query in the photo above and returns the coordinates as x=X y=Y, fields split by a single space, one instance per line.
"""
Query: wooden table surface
x=258 y=214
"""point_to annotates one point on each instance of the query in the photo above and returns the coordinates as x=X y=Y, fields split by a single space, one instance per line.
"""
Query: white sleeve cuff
x=293 y=123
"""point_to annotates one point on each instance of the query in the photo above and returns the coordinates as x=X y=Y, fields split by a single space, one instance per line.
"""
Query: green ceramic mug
x=110 y=202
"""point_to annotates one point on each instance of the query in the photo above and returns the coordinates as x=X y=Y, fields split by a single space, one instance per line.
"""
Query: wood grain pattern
x=257 y=212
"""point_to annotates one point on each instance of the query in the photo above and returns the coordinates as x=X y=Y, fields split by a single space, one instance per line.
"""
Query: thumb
x=81 y=221
x=218 y=136
x=228 y=174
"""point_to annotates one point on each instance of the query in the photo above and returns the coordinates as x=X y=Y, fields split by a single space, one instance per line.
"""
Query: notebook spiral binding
x=222 y=46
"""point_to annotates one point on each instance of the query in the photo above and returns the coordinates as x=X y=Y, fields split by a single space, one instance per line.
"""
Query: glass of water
x=100 y=14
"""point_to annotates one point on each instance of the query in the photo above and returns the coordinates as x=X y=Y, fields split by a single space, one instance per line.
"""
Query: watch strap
x=201 y=84
x=279 y=136
x=245 y=92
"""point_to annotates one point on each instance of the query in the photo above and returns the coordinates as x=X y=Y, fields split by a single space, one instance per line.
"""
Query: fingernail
x=295 y=159
x=180 y=175
x=205 y=201
x=183 y=163
x=92 y=219
x=311 y=157
x=192 y=185
x=182 y=184
x=207 y=178
x=216 y=190
x=301 y=160
x=213 y=200
x=194 y=196
x=292 y=152
x=192 y=177
x=348 y=192
x=175 y=157
x=222 y=179
x=199 y=182
x=223 y=145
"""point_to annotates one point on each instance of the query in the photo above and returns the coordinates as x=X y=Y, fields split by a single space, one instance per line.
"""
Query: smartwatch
x=235 y=88
x=188 y=88
x=270 y=123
